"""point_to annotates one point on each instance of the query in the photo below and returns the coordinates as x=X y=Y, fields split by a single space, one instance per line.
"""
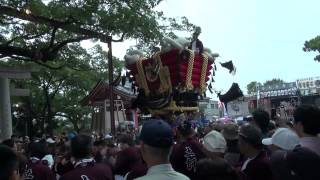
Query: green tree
x=41 y=31
x=46 y=34
x=313 y=45
x=55 y=94
x=252 y=87
x=273 y=82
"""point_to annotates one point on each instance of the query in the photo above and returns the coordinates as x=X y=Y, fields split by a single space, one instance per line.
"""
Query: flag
x=232 y=94
x=229 y=65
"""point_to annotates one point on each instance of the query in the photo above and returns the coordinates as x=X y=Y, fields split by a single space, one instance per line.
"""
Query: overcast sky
x=264 y=38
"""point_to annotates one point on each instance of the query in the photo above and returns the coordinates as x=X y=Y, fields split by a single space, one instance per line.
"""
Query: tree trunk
x=75 y=125
x=5 y=109
x=49 y=115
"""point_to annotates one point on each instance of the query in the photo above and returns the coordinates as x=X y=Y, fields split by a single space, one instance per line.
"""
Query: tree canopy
x=41 y=31
x=313 y=45
x=55 y=94
x=252 y=86
x=273 y=82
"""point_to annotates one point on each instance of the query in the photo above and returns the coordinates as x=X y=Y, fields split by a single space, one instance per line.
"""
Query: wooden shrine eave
x=101 y=92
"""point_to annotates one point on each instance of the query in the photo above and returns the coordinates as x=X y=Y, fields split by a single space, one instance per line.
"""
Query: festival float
x=174 y=78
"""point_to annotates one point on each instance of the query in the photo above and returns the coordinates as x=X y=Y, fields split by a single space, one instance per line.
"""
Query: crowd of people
x=259 y=149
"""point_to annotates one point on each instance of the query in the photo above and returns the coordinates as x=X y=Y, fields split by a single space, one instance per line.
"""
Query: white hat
x=50 y=160
x=108 y=136
x=50 y=140
x=284 y=138
x=214 y=142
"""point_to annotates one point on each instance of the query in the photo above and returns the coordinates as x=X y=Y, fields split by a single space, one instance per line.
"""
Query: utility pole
x=110 y=70
x=258 y=95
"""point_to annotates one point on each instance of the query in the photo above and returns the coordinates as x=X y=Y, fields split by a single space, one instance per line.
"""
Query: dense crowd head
x=262 y=119
x=215 y=168
x=307 y=120
x=255 y=148
x=81 y=146
x=9 y=166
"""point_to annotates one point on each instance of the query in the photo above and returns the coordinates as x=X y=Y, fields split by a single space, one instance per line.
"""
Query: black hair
x=38 y=149
x=13 y=136
x=252 y=135
x=262 y=119
x=9 y=162
x=99 y=143
x=8 y=142
x=309 y=116
x=271 y=125
x=185 y=128
x=126 y=139
x=81 y=146
x=232 y=146
x=217 y=169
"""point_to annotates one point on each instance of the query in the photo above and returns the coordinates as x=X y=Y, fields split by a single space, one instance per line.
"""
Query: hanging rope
x=189 y=71
x=203 y=72
x=142 y=77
